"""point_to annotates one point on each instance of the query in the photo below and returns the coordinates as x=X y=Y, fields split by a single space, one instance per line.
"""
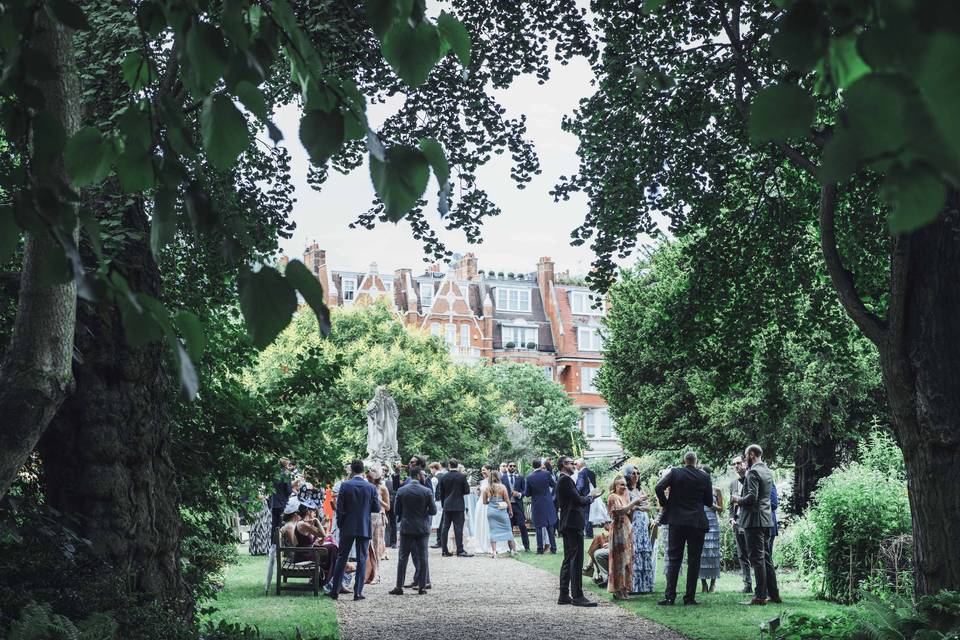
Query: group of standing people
x=690 y=507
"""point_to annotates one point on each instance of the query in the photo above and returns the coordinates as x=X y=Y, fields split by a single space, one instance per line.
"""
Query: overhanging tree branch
x=872 y=326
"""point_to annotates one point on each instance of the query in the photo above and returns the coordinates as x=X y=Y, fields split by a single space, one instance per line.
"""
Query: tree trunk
x=815 y=459
x=921 y=370
x=106 y=454
x=35 y=374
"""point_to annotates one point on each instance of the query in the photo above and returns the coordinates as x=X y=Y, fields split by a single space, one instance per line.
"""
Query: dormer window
x=581 y=303
x=512 y=299
x=349 y=290
x=426 y=294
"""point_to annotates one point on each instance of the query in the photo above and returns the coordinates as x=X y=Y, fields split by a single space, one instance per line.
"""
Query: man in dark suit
x=516 y=488
x=585 y=479
x=572 y=514
x=356 y=501
x=690 y=492
x=415 y=508
x=756 y=520
x=540 y=486
x=452 y=487
x=736 y=488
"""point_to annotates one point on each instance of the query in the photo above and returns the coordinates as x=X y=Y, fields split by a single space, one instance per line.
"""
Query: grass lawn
x=719 y=616
x=242 y=601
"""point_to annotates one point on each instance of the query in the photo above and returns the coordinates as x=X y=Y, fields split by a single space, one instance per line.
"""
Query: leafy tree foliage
x=735 y=367
x=539 y=410
x=318 y=390
x=840 y=105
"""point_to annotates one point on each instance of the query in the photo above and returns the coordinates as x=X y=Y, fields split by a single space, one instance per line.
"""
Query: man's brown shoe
x=755 y=601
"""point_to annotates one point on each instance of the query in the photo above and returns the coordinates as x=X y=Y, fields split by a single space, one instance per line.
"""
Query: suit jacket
x=755 y=497
x=736 y=487
x=690 y=492
x=415 y=507
x=519 y=483
x=572 y=504
x=451 y=489
x=540 y=485
x=355 y=502
x=774 y=502
x=585 y=478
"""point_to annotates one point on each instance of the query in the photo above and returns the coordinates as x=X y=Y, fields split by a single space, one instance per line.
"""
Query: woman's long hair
x=493 y=483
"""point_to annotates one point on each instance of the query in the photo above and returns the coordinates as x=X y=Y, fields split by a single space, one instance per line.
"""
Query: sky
x=531 y=224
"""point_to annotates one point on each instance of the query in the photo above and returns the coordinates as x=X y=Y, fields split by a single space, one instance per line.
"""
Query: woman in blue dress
x=499 y=513
x=642 y=548
x=710 y=557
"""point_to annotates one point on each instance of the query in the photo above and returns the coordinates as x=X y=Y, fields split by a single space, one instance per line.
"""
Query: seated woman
x=309 y=532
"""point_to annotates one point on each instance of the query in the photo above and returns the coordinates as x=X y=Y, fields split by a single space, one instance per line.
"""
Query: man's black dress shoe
x=434 y=546
x=446 y=554
x=359 y=597
x=564 y=600
x=583 y=602
x=464 y=554
x=667 y=602
x=410 y=586
x=396 y=591
x=429 y=586
x=689 y=601
x=422 y=592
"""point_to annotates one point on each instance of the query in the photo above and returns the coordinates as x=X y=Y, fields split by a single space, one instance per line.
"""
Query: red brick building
x=542 y=318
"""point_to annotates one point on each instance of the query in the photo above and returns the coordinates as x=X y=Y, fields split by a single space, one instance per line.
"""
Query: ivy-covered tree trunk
x=35 y=373
x=921 y=367
x=106 y=454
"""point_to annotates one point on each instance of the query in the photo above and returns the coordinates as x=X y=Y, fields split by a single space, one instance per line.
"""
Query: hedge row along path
x=486 y=599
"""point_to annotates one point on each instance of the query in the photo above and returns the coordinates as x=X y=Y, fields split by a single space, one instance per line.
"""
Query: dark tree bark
x=815 y=459
x=919 y=345
x=35 y=373
x=921 y=370
x=106 y=454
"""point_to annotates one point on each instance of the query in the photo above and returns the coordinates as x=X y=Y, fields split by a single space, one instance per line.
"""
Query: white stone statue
x=382 y=415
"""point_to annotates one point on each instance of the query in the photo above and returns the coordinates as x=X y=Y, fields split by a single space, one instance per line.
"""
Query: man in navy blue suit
x=516 y=488
x=585 y=480
x=543 y=511
x=356 y=501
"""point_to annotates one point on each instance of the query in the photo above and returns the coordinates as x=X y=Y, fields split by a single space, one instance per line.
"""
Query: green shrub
x=879 y=451
x=794 y=549
x=854 y=510
x=930 y=618
x=804 y=627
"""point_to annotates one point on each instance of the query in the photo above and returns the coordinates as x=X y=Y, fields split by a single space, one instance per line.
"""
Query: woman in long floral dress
x=711 y=555
x=642 y=548
x=620 y=561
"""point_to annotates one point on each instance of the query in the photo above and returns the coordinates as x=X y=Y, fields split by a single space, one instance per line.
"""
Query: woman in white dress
x=481 y=530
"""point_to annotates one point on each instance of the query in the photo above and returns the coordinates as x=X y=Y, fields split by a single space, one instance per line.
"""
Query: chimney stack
x=466 y=267
x=315 y=259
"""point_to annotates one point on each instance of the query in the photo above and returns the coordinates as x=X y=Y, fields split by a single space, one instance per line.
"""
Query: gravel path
x=482 y=598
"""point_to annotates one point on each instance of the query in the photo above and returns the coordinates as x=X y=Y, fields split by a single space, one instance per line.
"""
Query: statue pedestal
x=383 y=458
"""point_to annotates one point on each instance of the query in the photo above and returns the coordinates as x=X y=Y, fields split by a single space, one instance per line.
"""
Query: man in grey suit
x=756 y=520
x=415 y=509
x=736 y=488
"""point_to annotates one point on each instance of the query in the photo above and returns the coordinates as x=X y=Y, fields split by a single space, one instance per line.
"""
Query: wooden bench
x=288 y=567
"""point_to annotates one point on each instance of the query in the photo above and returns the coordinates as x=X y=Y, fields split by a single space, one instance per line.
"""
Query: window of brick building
x=513 y=299
x=349 y=289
